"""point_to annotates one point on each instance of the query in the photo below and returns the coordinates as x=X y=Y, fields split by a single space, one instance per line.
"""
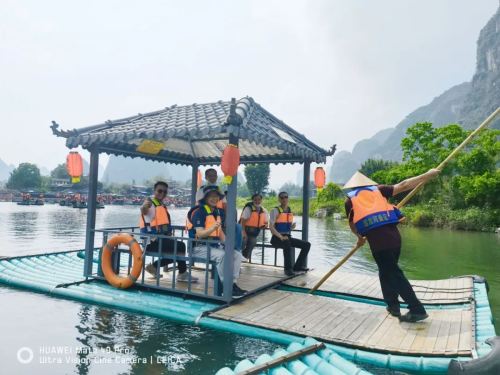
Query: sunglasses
x=284 y=197
x=161 y=191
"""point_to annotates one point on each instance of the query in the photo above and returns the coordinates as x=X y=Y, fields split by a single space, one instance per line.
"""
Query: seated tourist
x=281 y=225
x=253 y=218
x=204 y=222
x=156 y=219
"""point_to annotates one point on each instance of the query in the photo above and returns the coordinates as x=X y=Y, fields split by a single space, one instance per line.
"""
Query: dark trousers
x=287 y=255
x=394 y=282
x=167 y=246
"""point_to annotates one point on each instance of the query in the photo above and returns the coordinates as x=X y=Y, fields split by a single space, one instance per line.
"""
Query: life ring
x=107 y=268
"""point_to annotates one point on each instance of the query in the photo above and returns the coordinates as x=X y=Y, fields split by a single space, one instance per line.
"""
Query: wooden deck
x=444 y=333
x=252 y=277
x=430 y=292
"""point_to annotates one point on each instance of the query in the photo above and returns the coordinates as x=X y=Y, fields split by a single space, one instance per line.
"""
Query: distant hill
x=467 y=104
x=5 y=170
x=386 y=144
x=125 y=170
x=484 y=96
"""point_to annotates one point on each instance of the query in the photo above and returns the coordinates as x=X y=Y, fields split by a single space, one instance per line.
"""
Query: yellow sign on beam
x=150 y=147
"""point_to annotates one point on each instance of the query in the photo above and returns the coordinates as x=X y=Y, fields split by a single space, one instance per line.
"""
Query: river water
x=44 y=323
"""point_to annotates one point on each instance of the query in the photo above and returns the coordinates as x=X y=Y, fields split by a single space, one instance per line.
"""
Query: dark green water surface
x=117 y=339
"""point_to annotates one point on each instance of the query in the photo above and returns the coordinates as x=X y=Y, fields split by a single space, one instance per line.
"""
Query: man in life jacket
x=204 y=222
x=374 y=219
x=211 y=177
x=281 y=225
x=253 y=218
x=156 y=219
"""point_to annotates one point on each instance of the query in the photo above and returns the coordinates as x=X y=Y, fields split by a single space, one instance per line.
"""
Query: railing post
x=91 y=211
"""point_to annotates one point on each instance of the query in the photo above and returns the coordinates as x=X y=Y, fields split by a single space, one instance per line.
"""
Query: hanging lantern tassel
x=230 y=163
x=74 y=166
x=319 y=178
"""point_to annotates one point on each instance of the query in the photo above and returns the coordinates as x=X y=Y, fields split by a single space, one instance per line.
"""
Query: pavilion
x=195 y=135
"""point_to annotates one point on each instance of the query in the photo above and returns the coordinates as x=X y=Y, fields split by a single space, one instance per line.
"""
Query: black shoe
x=412 y=318
x=300 y=269
x=289 y=273
x=238 y=292
x=394 y=310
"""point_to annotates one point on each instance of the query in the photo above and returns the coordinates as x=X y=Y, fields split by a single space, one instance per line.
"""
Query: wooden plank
x=411 y=334
x=454 y=333
x=435 y=323
x=444 y=333
x=464 y=341
x=370 y=325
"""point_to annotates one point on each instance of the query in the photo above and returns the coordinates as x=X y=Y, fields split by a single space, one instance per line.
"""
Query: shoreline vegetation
x=420 y=215
x=466 y=195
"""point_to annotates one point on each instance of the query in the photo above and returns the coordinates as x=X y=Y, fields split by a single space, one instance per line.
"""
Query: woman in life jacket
x=156 y=219
x=253 y=218
x=204 y=222
x=371 y=217
x=281 y=225
x=211 y=177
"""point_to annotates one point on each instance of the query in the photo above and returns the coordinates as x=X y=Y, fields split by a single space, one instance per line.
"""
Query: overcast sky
x=336 y=71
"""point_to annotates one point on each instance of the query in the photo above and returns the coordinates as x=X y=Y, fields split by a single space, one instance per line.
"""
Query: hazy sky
x=336 y=71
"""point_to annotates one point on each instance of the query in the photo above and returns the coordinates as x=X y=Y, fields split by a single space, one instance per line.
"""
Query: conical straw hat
x=358 y=180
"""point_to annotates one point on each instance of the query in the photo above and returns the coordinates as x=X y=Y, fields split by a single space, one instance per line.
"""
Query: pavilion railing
x=143 y=239
x=262 y=244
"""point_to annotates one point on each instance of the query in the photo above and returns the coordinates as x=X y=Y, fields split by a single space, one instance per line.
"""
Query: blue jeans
x=238 y=237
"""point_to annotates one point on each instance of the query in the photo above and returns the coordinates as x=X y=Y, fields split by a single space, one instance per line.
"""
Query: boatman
x=374 y=219
x=156 y=219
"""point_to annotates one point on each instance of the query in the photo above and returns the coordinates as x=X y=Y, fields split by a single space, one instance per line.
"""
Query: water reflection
x=39 y=320
x=138 y=344
x=23 y=224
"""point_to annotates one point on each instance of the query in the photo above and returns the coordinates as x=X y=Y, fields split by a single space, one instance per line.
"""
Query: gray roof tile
x=205 y=122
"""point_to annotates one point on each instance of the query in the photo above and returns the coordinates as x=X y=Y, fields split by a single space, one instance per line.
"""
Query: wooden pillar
x=194 y=183
x=305 y=201
x=91 y=212
x=230 y=232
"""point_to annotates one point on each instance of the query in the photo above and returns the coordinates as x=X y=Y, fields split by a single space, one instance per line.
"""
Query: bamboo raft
x=431 y=292
x=354 y=325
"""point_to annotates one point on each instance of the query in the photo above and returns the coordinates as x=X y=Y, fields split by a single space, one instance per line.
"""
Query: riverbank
x=422 y=215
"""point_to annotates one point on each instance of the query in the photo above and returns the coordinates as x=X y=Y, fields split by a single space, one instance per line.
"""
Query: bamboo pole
x=413 y=192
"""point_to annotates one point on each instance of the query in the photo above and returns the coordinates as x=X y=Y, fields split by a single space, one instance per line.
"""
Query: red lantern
x=319 y=178
x=230 y=162
x=198 y=182
x=74 y=166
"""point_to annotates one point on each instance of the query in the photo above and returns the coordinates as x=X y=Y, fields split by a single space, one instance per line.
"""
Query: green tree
x=371 y=166
x=257 y=176
x=25 y=176
x=60 y=172
x=292 y=189
x=330 y=192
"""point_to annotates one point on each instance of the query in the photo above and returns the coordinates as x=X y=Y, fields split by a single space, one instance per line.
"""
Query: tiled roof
x=200 y=132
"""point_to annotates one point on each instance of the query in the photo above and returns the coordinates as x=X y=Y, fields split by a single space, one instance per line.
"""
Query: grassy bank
x=417 y=215
x=296 y=205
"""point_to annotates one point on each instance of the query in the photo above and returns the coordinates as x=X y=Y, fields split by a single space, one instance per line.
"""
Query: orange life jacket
x=257 y=219
x=371 y=209
x=211 y=219
x=284 y=220
x=160 y=223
